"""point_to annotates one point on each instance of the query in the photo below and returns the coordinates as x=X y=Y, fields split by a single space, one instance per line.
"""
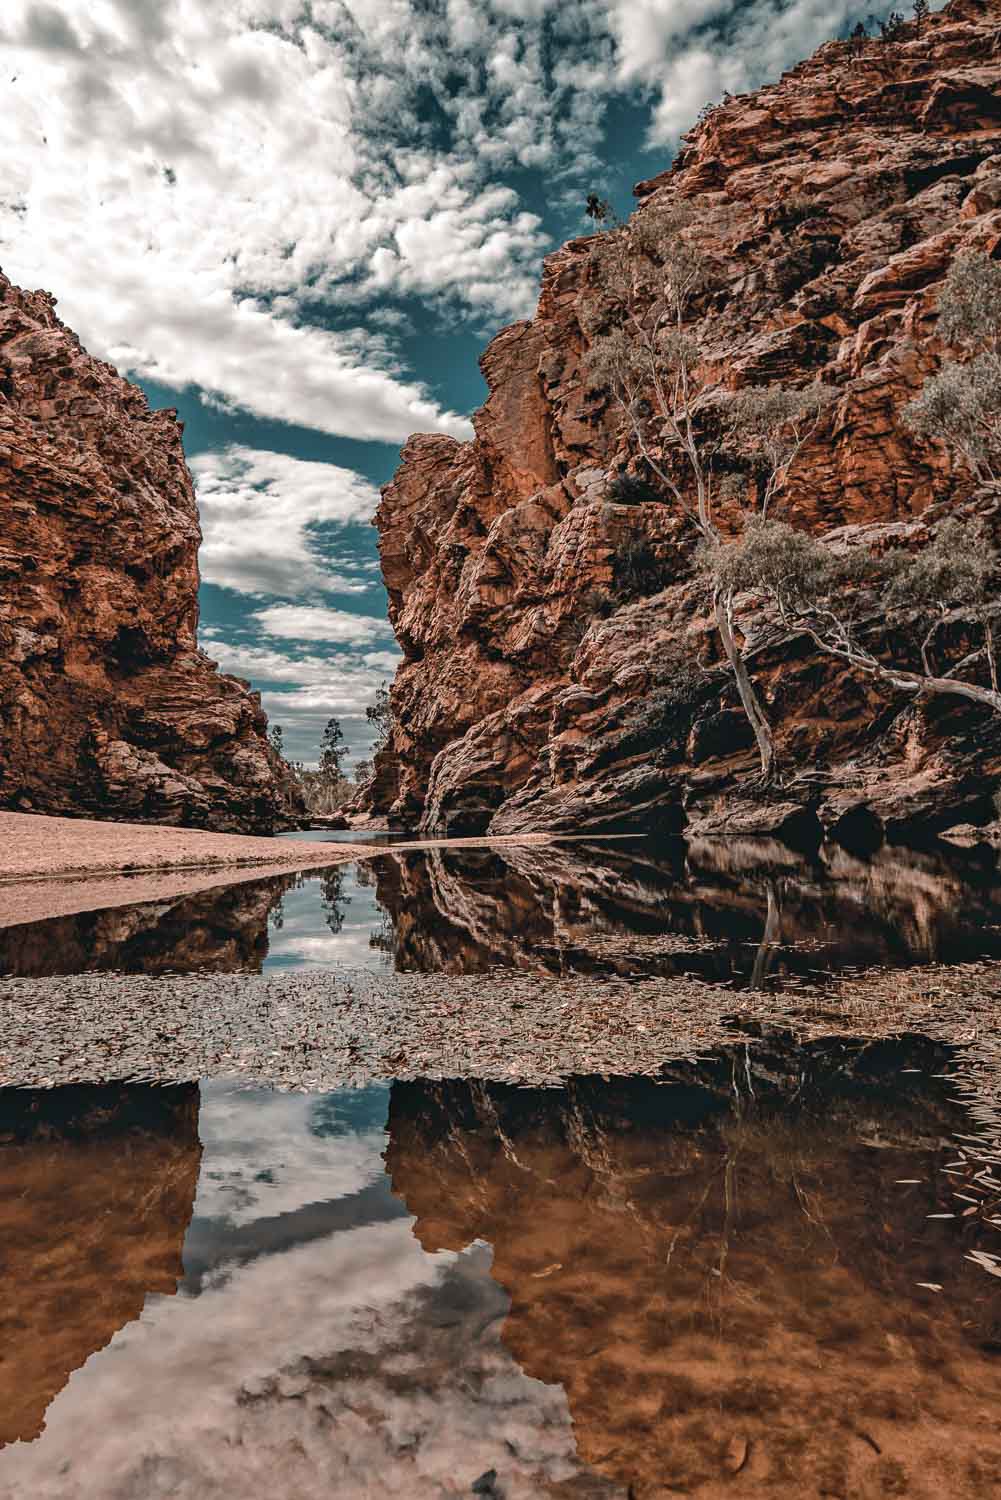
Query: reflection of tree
x=383 y=937
x=733 y=1266
x=332 y=898
x=770 y=937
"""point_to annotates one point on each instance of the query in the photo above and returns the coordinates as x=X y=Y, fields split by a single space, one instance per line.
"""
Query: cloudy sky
x=299 y=220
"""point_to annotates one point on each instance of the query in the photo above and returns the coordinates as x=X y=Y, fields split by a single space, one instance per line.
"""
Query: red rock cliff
x=107 y=706
x=525 y=700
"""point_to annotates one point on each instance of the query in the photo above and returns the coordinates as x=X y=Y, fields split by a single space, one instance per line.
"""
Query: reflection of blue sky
x=305 y=940
x=269 y=1153
x=212 y=1396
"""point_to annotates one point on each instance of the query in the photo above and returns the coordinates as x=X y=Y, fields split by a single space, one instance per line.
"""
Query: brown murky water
x=772 y=1270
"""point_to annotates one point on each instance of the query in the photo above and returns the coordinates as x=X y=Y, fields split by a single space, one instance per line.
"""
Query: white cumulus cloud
x=259 y=510
x=313 y=622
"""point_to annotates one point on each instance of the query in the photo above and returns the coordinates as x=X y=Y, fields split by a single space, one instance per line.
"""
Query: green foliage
x=961 y=404
x=969 y=307
x=276 y=740
x=773 y=558
x=921 y=11
x=812 y=582
x=857 y=39
x=894 y=28
x=954 y=571
x=637 y=571
x=380 y=715
x=766 y=426
x=632 y=489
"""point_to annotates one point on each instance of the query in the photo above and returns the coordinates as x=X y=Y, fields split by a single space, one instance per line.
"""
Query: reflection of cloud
x=349 y=947
x=262 y=1159
x=211 y=1398
x=305 y=941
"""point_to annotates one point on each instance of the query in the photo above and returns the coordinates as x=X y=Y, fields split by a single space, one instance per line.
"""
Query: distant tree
x=893 y=28
x=961 y=404
x=276 y=740
x=857 y=38
x=597 y=209
x=363 y=773
x=380 y=715
x=921 y=10
x=333 y=748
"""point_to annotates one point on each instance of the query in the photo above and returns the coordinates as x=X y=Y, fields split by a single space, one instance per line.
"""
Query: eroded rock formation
x=107 y=706
x=536 y=691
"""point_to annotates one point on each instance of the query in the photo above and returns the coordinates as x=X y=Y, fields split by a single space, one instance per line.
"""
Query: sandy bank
x=36 y=847
x=54 y=866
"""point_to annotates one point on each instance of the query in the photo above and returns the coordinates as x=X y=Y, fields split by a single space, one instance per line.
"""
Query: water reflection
x=621 y=1288
x=726 y=910
x=96 y=1190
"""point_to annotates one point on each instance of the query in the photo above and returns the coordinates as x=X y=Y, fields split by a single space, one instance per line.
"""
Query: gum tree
x=961 y=404
x=852 y=603
x=700 y=444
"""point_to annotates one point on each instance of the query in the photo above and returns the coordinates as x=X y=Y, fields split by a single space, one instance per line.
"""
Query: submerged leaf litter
x=316 y=1030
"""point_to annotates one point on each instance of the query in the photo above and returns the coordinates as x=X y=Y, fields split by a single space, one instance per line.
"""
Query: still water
x=772 y=1272
x=734 y=912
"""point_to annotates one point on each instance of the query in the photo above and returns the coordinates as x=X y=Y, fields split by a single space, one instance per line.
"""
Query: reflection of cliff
x=639 y=907
x=222 y=931
x=728 y=1286
x=96 y=1190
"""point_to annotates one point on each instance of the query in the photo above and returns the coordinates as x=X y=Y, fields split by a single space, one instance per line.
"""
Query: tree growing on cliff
x=689 y=435
x=276 y=740
x=961 y=404
x=380 y=715
x=921 y=11
x=903 y=618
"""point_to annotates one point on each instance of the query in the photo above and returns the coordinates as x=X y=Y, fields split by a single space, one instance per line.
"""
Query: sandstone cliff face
x=533 y=688
x=106 y=704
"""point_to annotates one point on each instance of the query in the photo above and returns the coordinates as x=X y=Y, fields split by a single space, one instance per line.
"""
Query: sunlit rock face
x=724 y=1273
x=97 y=1186
x=842 y=195
x=106 y=703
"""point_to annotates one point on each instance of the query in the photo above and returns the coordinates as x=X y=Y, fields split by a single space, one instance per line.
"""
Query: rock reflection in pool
x=616 y=1289
x=725 y=910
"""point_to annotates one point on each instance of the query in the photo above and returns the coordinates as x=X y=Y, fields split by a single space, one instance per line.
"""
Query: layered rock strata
x=535 y=691
x=107 y=705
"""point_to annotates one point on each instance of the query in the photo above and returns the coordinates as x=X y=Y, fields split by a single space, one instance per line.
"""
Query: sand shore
x=54 y=866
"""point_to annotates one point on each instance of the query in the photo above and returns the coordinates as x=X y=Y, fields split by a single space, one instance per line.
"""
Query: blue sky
x=299 y=221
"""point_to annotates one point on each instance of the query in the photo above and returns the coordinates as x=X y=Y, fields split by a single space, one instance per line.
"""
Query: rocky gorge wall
x=535 y=692
x=107 y=706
